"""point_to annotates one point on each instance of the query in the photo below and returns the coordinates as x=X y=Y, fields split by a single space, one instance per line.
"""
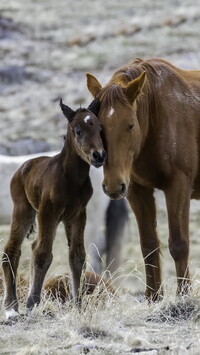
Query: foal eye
x=78 y=132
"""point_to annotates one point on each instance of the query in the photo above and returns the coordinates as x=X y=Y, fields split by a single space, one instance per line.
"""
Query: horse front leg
x=142 y=203
x=42 y=253
x=178 y=196
x=22 y=220
x=75 y=236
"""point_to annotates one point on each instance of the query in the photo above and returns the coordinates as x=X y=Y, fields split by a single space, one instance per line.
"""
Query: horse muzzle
x=98 y=158
x=116 y=194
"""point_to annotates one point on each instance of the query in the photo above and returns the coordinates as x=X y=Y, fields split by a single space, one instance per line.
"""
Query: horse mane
x=112 y=94
x=148 y=102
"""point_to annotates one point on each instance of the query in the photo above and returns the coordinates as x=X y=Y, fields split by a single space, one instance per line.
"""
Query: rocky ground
x=47 y=47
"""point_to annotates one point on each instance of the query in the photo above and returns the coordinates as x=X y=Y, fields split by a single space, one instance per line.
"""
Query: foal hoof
x=31 y=302
x=12 y=314
x=155 y=297
x=12 y=317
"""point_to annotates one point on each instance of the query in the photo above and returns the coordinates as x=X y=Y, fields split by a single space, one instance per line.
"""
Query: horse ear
x=93 y=85
x=94 y=106
x=67 y=111
x=134 y=88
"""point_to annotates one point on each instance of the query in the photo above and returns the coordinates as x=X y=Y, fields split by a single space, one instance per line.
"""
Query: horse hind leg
x=178 y=204
x=22 y=220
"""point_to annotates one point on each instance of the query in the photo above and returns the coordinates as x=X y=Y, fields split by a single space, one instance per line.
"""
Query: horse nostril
x=123 y=188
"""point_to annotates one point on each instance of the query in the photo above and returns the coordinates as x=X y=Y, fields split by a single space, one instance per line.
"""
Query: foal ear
x=93 y=85
x=94 y=106
x=67 y=111
x=134 y=88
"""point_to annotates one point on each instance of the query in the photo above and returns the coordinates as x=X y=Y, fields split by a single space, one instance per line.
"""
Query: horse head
x=120 y=130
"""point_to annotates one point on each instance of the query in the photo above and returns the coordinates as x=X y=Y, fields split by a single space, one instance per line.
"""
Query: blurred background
x=46 y=47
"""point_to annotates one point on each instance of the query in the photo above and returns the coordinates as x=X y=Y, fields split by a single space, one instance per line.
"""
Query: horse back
x=173 y=141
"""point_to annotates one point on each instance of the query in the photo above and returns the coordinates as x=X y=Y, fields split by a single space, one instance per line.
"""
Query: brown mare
x=58 y=188
x=150 y=116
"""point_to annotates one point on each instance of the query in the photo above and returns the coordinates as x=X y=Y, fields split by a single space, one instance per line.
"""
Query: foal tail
x=31 y=230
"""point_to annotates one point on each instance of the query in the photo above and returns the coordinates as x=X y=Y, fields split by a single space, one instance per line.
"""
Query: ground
x=123 y=323
x=46 y=48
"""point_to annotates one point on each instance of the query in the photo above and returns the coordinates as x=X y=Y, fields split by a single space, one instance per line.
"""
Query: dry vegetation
x=122 y=323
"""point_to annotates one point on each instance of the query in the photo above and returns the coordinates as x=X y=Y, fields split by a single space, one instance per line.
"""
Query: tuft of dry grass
x=106 y=324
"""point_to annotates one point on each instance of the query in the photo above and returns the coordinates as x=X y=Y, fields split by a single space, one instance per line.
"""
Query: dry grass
x=112 y=325
x=122 y=323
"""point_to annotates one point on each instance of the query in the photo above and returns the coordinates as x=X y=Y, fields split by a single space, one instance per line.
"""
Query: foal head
x=120 y=128
x=86 y=130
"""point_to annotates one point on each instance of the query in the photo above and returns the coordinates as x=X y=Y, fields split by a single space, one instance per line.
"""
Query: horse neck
x=73 y=164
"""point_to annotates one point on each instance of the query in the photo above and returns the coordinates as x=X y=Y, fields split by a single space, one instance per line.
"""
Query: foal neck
x=73 y=164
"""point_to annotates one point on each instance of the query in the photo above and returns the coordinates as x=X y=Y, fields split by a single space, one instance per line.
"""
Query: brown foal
x=57 y=188
x=150 y=117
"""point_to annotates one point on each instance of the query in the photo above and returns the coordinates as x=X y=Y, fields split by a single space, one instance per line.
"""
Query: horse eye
x=78 y=132
x=130 y=127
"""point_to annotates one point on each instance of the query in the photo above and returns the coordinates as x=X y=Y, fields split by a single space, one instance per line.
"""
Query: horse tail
x=115 y=221
x=31 y=230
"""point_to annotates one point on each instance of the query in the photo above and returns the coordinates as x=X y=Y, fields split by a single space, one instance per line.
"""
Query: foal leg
x=178 y=196
x=42 y=253
x=75 y=236
x=142 y=203
x=22 y=219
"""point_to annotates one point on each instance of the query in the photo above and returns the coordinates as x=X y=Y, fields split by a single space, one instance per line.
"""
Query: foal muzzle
x=98 y=158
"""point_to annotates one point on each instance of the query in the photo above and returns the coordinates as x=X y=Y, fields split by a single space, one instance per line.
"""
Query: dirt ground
x=46 y=47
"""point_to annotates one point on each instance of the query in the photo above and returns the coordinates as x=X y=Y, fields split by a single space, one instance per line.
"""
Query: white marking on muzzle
x=100 y=151
x=11 y=313
x=87 y=118
x=111 y=111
